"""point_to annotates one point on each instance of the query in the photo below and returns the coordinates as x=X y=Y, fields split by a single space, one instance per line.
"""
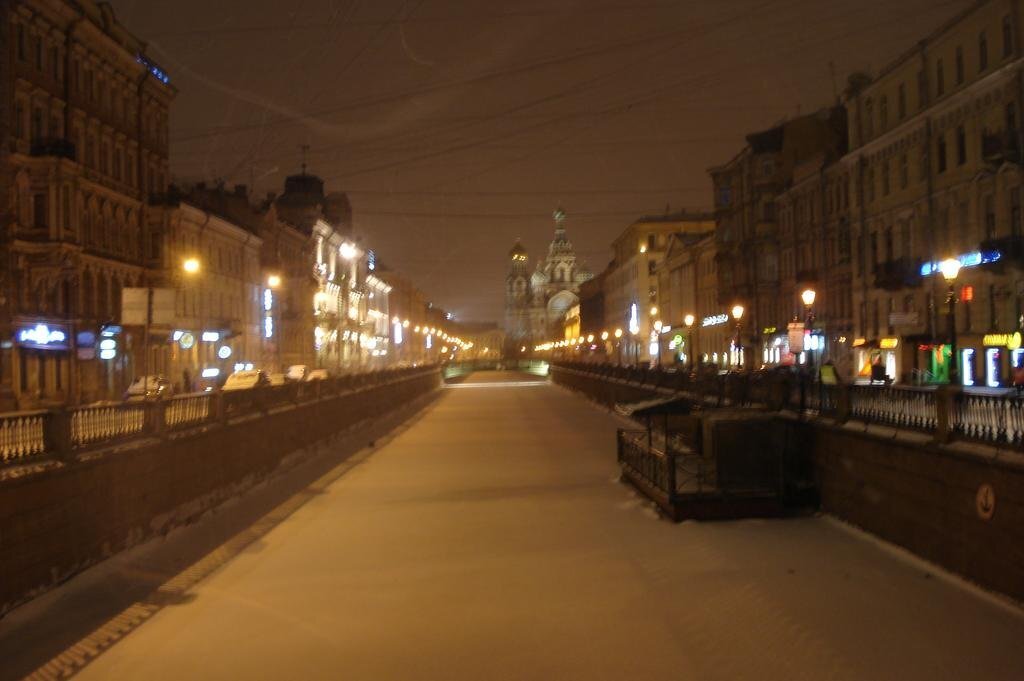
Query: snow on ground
x=492 y=540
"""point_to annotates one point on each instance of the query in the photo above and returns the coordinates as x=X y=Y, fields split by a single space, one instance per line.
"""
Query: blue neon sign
x=966 y=260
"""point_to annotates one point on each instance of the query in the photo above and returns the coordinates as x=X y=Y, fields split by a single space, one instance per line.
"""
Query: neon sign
x=42 y=336
x=966 y=260
x=715 y=320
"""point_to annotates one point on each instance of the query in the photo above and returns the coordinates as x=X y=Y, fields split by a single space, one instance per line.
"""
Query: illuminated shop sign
x=715 y=320
x=44 y=337
x=889 y=343
x=966 y=260
x=1011 y=341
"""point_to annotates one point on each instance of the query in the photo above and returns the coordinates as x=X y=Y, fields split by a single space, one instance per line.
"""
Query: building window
x=990 y=217
x=19 y=120
x=888 y=244
x=869 y=119
x=885 y=177
x=901 y=102
x=36 y=125
x=652 y=241
x=39 y=217
x=883 y=113
x=959 y=65
x=874 y=251
x=904 y=172
x=65 y=208
x=922 y=90
x=39 y=53
x=652 y=267
x=940 y=79
x=940 y=153
x=54 y=63
x=21 y=42
x=982 y=51
x=961 y=145
x=871 y=184
x=118 y=165
x=1007 y=36
x=1015 y=212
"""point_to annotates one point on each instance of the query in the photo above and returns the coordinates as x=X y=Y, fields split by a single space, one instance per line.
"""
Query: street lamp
x=950 y=268
x=273 y=281
x=618 y=345
x=737 y=314
x=688 y=320
x=808 y=297
x=191 y=265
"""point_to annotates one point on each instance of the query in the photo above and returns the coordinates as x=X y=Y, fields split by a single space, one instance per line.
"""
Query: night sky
x=457 y=126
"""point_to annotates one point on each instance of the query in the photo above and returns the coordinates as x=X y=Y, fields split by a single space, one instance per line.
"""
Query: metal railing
x=25 y=436
x=944 y=413
x=653 y=466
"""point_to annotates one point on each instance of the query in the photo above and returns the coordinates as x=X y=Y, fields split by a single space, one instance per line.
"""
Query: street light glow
x=273 y=281
x=347 y=251
x=689 y=319
x=950 y=268
x=604 y=335
x=618 y=333
x=737 y=312
x=808 y=297
x=191 y=265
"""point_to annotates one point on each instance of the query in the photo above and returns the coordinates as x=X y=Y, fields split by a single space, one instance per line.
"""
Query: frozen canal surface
x=490 y=539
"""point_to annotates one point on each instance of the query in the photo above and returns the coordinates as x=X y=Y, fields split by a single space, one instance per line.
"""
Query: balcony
x=1011 y=250
x=53 y=146
x=1001 y=147
x=893 y=275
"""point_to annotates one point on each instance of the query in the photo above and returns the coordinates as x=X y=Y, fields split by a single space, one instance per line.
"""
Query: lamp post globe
x=950 y=269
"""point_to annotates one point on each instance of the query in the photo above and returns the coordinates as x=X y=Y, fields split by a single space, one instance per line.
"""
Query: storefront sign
x=857 y=342
x=1011 y=341
x=769 y=330
x=889 y=343
x=966 y=260
x=43 y=337
x=715 y=320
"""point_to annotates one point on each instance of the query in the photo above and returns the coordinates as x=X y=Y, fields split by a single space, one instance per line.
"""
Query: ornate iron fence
x=654 y=467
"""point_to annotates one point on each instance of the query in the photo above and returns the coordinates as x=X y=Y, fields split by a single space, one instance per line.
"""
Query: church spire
x=559 y=216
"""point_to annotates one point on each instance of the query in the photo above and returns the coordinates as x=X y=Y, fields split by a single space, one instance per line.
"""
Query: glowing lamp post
x=618 y=344
x=950 y=268
x=808 y=297
x=737 y=314
x=688 y=320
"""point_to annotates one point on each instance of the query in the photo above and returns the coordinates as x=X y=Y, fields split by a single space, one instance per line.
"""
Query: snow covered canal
x=490 y=539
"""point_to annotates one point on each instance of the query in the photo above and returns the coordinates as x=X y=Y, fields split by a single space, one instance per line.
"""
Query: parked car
x=246 y=380
x=149 y=387
x=317 y=375
x=296 y=372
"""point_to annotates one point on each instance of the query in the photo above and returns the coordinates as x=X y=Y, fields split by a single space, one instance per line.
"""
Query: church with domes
x=536 y=302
